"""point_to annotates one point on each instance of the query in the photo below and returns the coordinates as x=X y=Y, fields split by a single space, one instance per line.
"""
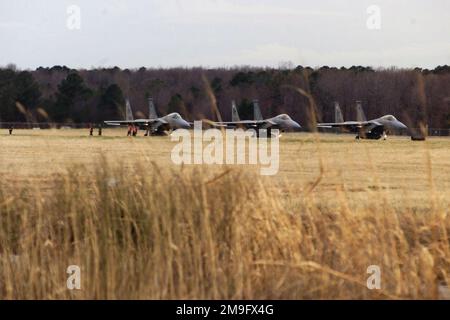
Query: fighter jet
x=281 y=122
x=154 y=125
x=366 y=129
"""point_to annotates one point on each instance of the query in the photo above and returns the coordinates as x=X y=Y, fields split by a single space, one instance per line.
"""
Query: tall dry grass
x=153 y=233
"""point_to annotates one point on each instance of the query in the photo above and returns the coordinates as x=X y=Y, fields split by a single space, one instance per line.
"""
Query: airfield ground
x=141 y=227
x=398 y=167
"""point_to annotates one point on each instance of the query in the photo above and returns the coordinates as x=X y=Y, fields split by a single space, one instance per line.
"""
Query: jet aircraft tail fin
x=338 y=117
x=257 y=111
x=128 y=111
x=234 y=112
x=360 y=116
x=151 y=109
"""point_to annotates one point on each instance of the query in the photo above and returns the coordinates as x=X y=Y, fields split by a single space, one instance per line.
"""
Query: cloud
x=265 y=55
x=270 y=54
x=276 y=55
x=225 y=32
x=423 y=55
x=197 y=11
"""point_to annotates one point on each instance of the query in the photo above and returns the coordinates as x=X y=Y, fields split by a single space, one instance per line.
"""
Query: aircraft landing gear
x=268 y=133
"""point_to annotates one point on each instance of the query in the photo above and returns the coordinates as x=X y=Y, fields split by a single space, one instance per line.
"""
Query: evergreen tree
x=27 y=90
x=111 y=104
x=17 y=87
x=245 y=110
x=7 y=96
x=71 y=99
x=175 y=103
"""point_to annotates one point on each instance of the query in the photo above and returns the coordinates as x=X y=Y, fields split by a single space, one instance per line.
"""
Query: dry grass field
x=141 y=227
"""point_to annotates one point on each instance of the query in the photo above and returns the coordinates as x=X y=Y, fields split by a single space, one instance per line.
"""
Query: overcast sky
x=216 y=33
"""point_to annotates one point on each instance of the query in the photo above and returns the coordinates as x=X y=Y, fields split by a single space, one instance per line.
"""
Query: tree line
x=61 y=94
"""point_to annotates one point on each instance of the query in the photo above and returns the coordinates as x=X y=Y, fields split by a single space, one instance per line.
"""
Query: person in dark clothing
x=135 y=130
x=91 y=130
x=129 y=130
x=11 y=128
x=100 y=130
x=147 y=131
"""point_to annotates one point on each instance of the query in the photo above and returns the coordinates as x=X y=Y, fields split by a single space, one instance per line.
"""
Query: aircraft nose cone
x=402 y=125
x=295 y=125
x=185 y=124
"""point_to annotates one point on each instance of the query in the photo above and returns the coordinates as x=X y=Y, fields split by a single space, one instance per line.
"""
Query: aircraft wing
x=255 y=124
x=153 y=122
x=234 y=124
x=351 y=125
